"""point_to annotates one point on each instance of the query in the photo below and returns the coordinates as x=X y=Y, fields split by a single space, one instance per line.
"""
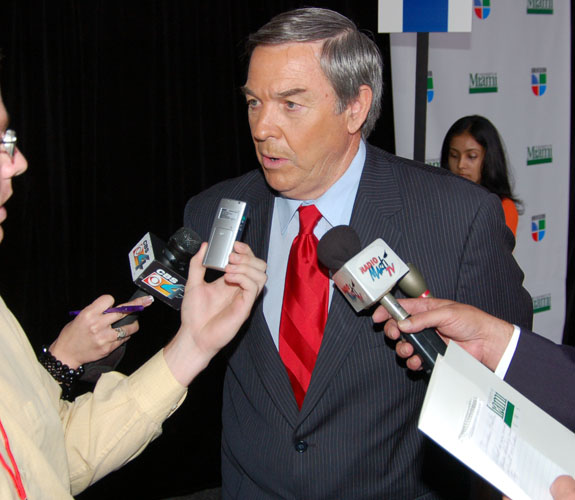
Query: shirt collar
x=329 y=204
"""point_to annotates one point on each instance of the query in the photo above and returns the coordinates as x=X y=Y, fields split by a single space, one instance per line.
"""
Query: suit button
x=300 y=446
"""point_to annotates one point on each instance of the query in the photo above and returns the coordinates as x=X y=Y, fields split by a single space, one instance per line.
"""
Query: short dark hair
x=349 y=58
x=494 y=171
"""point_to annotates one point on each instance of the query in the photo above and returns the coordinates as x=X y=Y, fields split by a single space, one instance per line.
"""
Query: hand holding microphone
x=367 y=276
x=159 y=270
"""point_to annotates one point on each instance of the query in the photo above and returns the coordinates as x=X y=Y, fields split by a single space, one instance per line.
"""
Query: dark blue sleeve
x=544 y=372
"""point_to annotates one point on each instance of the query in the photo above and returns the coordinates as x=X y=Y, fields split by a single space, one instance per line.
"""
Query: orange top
x=511 y=215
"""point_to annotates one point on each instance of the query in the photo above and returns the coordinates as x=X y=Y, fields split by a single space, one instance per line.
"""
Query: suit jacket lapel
x=264 y=353
x=378 y=199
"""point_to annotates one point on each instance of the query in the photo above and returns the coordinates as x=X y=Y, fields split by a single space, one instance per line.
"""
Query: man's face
x=301 y=143
x=9 y=167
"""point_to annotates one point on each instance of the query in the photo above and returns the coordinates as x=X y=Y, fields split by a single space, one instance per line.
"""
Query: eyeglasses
x=8 y=143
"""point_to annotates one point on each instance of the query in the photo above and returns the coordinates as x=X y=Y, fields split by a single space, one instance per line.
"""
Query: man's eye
x=291 y=105
x=252 y=103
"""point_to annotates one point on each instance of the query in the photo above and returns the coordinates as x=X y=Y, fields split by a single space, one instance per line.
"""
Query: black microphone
x=367 y=276
x=158 y=269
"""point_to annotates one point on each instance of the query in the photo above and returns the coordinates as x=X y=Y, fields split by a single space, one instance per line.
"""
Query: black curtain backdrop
x=125 y=110
x=569 y=331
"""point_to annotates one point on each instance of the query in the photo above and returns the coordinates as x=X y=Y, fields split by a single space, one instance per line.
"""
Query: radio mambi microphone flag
x=367 y=276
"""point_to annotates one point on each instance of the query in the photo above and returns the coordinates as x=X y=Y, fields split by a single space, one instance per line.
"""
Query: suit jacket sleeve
x=489 y=277
x=544 y=372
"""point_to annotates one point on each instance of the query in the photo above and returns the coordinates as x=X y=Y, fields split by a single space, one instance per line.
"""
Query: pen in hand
x=120 y=309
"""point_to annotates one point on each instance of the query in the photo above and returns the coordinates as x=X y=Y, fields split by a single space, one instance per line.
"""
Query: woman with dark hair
x=473 y=149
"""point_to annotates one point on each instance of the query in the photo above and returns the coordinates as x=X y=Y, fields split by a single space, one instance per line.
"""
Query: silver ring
x=121 y=333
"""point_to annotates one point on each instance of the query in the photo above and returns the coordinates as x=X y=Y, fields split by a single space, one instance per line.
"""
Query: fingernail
x=149 y=299
x=404 y=323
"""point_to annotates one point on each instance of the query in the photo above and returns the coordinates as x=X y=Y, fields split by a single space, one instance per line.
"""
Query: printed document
x=494 y=429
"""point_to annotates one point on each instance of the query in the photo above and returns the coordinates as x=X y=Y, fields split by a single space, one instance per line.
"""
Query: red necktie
x=304 y=309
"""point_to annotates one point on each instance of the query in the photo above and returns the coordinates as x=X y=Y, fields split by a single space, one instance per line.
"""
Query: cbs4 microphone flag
x=431 y=16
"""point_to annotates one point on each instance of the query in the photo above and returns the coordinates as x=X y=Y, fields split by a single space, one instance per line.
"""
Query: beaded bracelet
x=63 y=374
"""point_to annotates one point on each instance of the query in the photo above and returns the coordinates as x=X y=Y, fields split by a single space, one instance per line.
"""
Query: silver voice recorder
x=227 y=227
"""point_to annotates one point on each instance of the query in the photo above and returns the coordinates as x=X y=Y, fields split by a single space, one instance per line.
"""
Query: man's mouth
x=270 y=161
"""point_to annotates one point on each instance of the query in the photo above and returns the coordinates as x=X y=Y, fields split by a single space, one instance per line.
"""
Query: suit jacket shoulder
x=453 y=230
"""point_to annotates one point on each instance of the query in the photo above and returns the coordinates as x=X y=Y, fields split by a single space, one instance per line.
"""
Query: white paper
x=494 y=429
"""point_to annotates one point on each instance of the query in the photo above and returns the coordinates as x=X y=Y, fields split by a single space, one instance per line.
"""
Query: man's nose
x=265 y=124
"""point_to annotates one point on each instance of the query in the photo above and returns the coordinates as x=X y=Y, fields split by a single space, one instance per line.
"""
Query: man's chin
x=274 y=179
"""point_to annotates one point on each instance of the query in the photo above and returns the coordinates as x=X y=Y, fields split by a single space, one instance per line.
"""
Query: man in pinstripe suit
x=313 y=93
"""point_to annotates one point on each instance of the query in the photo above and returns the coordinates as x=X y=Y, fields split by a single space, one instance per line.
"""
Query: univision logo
x=482 y=8
x=430 y=86
x=481 y=83
x=539 y=81
x=539 y=6
x=542 y=303
x=539 y=154
x=538 y=226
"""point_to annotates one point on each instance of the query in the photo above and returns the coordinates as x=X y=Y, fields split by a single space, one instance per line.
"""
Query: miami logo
x=482 y=8
x=539 y=81
x=539 y=154
x=482 y=83
x=501 y=407
x=542 y=303
x=539 y=6
x=538 y=227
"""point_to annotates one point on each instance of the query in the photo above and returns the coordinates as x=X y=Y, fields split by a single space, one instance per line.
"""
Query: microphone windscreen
x=337 y=246
x=184 y=244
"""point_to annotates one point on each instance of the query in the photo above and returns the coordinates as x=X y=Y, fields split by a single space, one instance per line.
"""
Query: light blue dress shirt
x=335 y=205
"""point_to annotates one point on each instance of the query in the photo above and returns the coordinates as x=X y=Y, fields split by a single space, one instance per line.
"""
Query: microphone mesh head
x=337 y=246
x=184 y=244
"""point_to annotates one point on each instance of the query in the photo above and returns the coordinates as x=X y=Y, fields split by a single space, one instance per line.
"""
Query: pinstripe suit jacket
x=356 y=435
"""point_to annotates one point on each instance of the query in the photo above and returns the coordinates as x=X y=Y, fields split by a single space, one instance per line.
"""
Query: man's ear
x=358 y=109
